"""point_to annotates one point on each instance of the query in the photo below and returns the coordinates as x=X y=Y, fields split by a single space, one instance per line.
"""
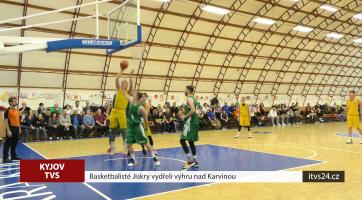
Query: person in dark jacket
x=39 y=124
x=77 y=121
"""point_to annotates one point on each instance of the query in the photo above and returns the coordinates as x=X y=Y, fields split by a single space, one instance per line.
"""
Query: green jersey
x=191 y=126
x=194 y=117
x=134 y=118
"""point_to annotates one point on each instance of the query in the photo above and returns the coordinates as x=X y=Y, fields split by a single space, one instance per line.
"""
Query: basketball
x=124 y=65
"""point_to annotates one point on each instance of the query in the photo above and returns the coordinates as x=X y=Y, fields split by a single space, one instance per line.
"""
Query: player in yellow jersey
x=244 y=117
x=117 y=118
x=353 y=120
x=147 y=107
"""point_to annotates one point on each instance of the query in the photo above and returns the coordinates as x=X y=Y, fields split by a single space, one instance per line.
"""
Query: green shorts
x=136 y=134
x=190 y=131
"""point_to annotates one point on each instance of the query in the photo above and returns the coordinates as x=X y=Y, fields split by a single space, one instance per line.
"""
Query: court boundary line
x=84 y=183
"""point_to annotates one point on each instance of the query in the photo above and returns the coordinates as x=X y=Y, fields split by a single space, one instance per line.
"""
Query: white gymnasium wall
x=50 y=96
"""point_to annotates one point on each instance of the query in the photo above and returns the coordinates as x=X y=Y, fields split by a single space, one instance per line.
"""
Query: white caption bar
x=193 y=176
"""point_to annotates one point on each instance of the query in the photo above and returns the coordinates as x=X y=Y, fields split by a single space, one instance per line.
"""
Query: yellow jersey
x=120 y=101
x=353 y=106
x=244 y=110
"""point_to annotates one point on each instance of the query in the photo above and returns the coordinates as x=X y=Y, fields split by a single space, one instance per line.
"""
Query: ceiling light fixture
x=335 y=35
x=358 y=16
x=303 y=29
x=328 y=8
x=216 y=10
x=358 y=40
x=265 y=21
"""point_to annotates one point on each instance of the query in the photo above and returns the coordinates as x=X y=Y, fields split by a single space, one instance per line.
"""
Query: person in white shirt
x=77 y=108
x=273 y=115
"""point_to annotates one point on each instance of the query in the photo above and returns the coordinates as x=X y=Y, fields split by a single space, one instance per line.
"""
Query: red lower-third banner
x=52 y=170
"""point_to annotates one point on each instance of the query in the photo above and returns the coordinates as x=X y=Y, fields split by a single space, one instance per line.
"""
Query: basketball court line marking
x=86 y=184
x=209 y=184
x=314 y=153
x=164 y=158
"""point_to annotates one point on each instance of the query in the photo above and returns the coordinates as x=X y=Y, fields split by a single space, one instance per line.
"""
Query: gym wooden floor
x=311 y=141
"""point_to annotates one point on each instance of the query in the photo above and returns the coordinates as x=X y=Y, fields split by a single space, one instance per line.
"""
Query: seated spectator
x=174 y=108
x=308 y=110
x=262 y=109
x=77 y=108
x=25 y=126
x=298 y=117
x=56 y=109
x=160 y=124
x=175 y=120
x=24 y=109
x=226 y=108
x=213 y=121
x=319 y=114
x=88 y=124
x=101 y=127
x=169 y=123
x=76 y=120
x=39 y=124
x=273 y=115
x=53 y=126
x=217 y=111
x=87 y=107
x=65 y=125
x=254 y=118
x=68 y=109
x=41 y=109
x=340 y=114
x=180 y=117
x=225 y=121
x=232 y=109
x=282 y=114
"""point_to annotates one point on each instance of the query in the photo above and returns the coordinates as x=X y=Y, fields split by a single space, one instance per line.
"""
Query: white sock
x=194 y=157
x=112 y=144
x=133 y=156
x=188 y=156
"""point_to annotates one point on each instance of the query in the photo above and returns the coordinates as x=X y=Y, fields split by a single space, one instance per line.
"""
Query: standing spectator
x=39 y=124
x=224 y=118
x=41 y=109
x=88 y=124
x=12 y=125
x=53 y=126
x=25 y=127
x=174 y=108
x=273 y=115
x=101 y=123
x=169 y=123
x=65 y=125
x=77 y=108
x=76 y=120
x=56 y=109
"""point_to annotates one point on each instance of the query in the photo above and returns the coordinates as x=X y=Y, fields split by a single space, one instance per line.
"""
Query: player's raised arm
x=118 y=78
x=131 y=81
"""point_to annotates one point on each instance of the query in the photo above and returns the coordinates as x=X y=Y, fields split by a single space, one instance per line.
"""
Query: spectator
x=100 y=123
x=25 y=127
x=77 y=108
x=56 y=109
x=88 y=124
x=282 y=114
x=39 y=124
x=87 y=107
x=76 y=120
x=340 y=114
x=224 y=118
x=159 y=108
x=67 y=108
x=319 y=114
x=65 y=125
x=308 y=109
x=291 y=117
x=211 y=116
x=174 y=108
x=273 y=115
x=217 y=111
x=232 y=109
x=41 y=109
x=24 y=110
x=226 y=108
x=254 y=118
x=214 y=101
x=262 y=109
x=160 y=122
x=169 y=123
x=53 y=126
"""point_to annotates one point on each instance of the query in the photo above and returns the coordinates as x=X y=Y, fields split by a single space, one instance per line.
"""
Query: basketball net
x=137 y=53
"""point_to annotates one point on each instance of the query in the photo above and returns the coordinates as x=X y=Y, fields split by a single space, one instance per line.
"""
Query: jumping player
x=136 y=117
x=117 y=118
x=147 y=107
x=244 y=117
x=353 y=120
x=190 y=129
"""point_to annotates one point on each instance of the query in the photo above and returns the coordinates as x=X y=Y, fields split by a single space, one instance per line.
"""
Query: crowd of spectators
x=57 y=123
